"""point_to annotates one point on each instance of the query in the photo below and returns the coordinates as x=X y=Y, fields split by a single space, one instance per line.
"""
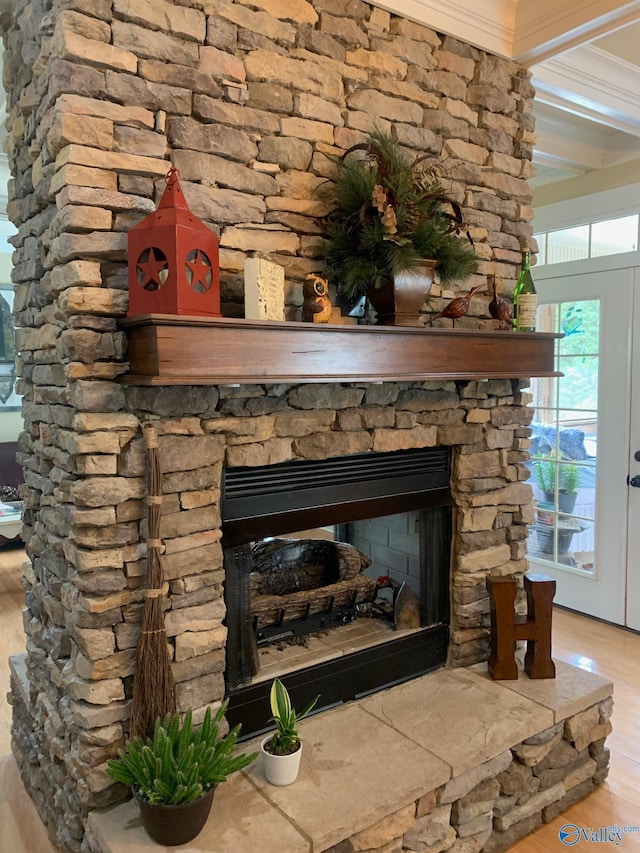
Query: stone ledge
x=19 y=677
x=564 y=695
x=367 y=761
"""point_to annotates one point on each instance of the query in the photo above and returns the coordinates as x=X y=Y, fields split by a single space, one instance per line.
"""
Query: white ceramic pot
x=281 y=769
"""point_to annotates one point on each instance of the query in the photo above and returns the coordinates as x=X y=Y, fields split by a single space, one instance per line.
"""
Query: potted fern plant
x=282 y=750
x=392 y=223
x=174 y=774
x=568 y=482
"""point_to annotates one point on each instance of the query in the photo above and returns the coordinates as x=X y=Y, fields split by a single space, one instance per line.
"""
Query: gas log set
x=299 y=586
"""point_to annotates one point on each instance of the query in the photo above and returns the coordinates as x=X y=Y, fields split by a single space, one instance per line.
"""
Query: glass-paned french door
x=581 y=453
x=564 y=441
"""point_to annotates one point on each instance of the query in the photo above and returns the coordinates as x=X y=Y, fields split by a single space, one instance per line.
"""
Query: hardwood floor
x=612 y=652
x=21 y=830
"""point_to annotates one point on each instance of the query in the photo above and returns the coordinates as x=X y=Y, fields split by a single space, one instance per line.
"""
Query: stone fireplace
x=250 y=102
x=378 y=514
x=201 y=430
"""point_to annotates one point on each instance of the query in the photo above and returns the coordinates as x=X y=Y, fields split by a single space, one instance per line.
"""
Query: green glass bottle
x=525 y=298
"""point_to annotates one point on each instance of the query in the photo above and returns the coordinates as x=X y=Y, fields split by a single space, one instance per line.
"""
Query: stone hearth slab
x=460 y=717
x=355 y=770
x=367 y=760
x=571 y=691
x=238 y=812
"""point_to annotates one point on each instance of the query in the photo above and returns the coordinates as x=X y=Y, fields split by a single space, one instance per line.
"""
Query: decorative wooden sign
x=535 y=627
x=173 y=260
x=263 y=290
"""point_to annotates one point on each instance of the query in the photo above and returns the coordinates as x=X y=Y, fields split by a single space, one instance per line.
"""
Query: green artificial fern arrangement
x=179 y=763
x=389 y=213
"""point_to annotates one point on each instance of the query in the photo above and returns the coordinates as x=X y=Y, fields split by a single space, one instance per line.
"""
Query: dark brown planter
x=398 y=302
x=173 y=825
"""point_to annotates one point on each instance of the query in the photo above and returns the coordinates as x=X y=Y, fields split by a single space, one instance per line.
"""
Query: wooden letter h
x=535 y=627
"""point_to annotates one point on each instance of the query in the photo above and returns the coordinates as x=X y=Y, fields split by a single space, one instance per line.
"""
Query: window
x=8 y=398
x=614 y=236
x=7 y=230
x=570 y=244
x=593 y=240
x=564 y=438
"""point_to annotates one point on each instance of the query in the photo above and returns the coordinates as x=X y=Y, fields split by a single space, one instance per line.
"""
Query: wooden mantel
x=171 y=350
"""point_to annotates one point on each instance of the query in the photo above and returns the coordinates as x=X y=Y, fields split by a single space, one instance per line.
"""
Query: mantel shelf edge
x=175 y=350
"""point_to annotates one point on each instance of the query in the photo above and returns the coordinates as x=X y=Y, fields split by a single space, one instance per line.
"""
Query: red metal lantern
x=174 y=265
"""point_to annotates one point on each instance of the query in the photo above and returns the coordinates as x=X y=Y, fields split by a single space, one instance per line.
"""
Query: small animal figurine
x=316 y=307
x=456 y=308
x=499 y=308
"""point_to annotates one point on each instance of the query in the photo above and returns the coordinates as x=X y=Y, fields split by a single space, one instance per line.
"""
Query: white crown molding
x=545 y=28
x=621 y=201
x=528 y=31
x=488 y=25
x=592 y=83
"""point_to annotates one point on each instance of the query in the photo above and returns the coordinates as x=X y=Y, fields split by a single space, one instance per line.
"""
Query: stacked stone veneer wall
x=490 y=806
x=85 y=588
x=249 y=101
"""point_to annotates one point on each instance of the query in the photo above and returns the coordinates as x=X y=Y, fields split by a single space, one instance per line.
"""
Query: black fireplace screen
x=311 y=547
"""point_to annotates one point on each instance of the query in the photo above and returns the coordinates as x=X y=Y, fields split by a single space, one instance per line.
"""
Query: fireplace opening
x=336 y=577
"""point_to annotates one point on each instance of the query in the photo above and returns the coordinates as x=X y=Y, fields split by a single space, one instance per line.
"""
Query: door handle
x=634 y=481
x=636 y=455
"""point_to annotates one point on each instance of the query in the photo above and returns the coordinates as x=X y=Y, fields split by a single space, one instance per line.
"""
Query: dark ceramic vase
x=398 y=302
x=174 y=825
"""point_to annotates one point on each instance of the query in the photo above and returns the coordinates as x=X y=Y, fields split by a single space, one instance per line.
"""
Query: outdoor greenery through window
x=564 y=438
x=594 y=240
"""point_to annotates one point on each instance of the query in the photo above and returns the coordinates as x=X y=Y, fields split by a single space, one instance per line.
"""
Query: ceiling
x=587 y=106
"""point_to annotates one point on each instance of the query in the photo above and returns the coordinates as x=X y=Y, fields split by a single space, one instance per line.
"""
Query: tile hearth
x=368 y=765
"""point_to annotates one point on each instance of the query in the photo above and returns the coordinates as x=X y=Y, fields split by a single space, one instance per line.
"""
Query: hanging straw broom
x=153 y=684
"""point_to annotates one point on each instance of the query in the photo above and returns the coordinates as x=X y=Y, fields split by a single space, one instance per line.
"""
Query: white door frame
x=633 y=494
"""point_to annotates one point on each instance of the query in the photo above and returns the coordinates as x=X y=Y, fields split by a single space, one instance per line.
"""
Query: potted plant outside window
x=282 y=750
x=568 y=481
x=392 y=223
x=174 y=774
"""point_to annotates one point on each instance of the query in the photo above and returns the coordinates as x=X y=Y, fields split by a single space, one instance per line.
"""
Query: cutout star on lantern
x=152 y=269
x=199 y=272
x=173 y=260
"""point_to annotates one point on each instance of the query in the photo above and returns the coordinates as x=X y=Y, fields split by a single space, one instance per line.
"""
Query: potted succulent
x=568 y=481
x=282 y=750
x=392 y=223
x=174 y=774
